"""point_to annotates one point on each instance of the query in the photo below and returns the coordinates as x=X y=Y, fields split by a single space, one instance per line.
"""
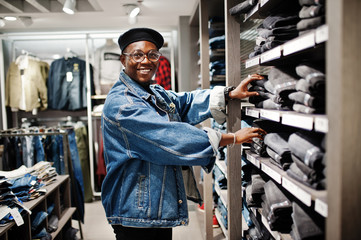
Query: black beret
x=140 y=34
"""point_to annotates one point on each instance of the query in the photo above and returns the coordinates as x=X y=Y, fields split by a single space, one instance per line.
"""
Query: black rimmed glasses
x=138 y=55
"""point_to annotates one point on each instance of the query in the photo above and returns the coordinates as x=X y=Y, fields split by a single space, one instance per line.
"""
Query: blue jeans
x=39 y=149
x=78 y=175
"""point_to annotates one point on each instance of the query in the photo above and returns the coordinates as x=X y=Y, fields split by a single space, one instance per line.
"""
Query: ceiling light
x=27 y=21
x=69 y=6
x=132 y=11
x=10 y=18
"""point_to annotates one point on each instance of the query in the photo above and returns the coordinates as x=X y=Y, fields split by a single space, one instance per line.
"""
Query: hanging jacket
x=67 y=88
x=26 y=84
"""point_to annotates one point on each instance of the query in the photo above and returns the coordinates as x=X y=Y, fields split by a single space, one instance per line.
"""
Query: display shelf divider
x=224 y=229
x=68 y=213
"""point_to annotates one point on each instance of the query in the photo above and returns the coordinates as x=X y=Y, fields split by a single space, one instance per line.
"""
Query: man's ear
x=122 y=59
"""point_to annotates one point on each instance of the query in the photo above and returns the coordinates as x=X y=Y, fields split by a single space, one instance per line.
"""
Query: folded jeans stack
x=307 y=225
x=310 y=96
x=277 y=208
x=278 y=149
x=312 y=15
x=308 y=154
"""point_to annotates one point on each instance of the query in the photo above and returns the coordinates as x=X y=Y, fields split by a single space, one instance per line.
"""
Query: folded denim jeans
x=277 y=208
x=307 y=225
x=308 y=100
x=305 y=69
x=280 y=20
x=311 y=11
x=242 y=7
x=310 y=23
x=307 y=147
x=278 y=142
x=304 y=109
x=315 y=90
x=311 y=2
x=281 y=162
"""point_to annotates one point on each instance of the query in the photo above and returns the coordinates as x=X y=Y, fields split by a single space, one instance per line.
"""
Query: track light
x=69 y=6
x=133 y=11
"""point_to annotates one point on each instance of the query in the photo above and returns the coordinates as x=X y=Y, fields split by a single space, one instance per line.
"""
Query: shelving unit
x=57 y=193
x=335 y=43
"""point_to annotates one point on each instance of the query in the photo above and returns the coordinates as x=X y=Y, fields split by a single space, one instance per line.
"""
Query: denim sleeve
x=193 y=107
x=144 y=134
x=217 y=104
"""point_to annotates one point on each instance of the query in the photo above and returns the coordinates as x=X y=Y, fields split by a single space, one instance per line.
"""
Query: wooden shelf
x=317 y=122
x=52 y=191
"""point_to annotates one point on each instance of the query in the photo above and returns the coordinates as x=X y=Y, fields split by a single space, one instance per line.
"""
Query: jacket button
x=175 y=169
x=180 y=201
x=183 y=222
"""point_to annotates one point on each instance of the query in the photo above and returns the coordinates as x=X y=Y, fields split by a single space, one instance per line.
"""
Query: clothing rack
x=67 y=155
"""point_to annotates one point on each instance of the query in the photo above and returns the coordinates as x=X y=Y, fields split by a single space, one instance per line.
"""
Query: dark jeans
x=129 y=233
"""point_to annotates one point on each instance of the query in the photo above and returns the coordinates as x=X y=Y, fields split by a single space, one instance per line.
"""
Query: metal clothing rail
x=67 y=158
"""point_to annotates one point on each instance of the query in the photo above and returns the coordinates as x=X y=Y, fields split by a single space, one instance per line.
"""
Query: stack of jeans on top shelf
x=275 y=88
x=278 y=27
x=312 y=15
x=310 y=96
x=309 y=161
x=307 y=225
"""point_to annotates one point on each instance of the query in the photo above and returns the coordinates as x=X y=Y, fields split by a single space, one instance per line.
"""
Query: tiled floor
x=96 y=227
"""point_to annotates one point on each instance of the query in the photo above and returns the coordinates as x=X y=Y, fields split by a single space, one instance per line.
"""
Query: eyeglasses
x=138 y=55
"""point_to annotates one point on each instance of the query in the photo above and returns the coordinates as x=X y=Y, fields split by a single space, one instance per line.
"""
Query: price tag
x=69 y=76
x=297 y=120
x=297 y=191
x=252 y=62
x=17 y=217
x=272 y=173
x=272 y=54
x=4 y=210
x=321 y=124
x=302 y=42
x=322 y=34
x=321 y=207
x=252 y=112
x=253 y=160
x=271 y=115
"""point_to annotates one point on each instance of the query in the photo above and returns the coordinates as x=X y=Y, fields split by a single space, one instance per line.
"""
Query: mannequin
x=107 y=66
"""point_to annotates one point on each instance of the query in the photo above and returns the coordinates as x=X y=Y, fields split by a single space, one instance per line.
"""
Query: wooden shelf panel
x=317 y=122
x=68 y=213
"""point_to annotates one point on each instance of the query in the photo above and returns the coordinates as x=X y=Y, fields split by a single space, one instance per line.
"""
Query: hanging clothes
x=67 y=87
x=163 y=74
x=25 y=86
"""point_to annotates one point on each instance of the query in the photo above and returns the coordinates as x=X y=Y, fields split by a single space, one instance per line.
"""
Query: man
x=150 y=141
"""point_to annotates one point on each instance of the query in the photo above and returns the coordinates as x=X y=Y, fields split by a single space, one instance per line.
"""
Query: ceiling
x=93 y=15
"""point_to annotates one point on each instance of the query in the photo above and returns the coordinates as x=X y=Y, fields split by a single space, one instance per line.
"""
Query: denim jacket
x=148 y=139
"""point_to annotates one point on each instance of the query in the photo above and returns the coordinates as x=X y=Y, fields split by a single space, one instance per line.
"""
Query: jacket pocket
x=142 y=191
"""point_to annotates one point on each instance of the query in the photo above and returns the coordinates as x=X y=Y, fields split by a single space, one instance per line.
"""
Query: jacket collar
x=134 y=86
